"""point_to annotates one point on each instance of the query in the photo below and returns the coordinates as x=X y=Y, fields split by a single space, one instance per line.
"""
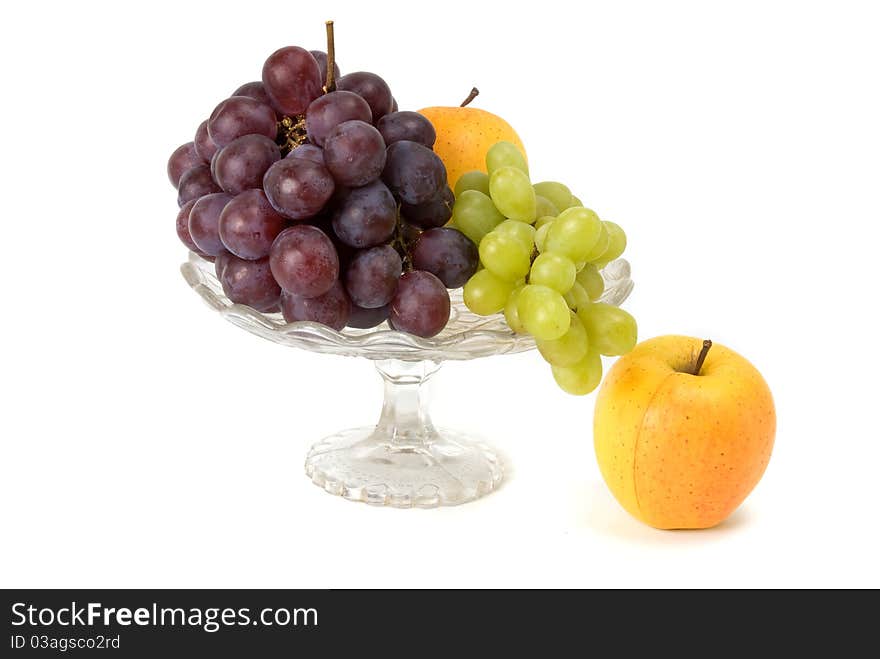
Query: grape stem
x=702 y=356
x=474 y=93
x=330 y=83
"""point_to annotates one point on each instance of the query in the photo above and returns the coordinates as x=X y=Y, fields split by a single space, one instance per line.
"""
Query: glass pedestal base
x=404 y=461
x=443 y=469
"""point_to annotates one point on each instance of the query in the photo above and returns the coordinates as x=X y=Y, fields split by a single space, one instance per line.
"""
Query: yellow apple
x=678 y=450
x=465 y=134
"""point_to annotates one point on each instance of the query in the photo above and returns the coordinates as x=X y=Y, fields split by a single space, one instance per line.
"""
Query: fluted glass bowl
x=403 y=461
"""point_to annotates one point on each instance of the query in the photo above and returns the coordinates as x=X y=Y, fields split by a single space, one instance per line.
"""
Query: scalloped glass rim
x=466 y=336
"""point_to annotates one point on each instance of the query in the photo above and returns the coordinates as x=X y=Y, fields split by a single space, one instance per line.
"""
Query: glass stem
x=405 y=418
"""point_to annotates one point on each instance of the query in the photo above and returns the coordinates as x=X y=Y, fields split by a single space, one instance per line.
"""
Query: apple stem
x=702 y=357
x=474 y=93
x=330 y=84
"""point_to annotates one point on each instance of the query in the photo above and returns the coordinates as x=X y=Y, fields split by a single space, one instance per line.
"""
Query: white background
x=146 y=442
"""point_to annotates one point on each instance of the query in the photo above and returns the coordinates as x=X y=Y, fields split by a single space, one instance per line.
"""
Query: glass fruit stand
x=404 y=460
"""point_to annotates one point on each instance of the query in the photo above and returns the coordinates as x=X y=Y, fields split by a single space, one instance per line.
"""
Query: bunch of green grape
x=541 y=252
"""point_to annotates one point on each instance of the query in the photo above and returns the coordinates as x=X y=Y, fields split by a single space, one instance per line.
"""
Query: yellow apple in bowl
x=683 y=431
x=465 y=134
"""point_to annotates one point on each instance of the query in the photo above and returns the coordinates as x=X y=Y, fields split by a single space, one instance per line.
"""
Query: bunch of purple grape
x=323 y=201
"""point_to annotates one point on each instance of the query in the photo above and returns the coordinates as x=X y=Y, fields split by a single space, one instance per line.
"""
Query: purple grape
x=328 y=111
x=433 y=213
x=374 y=90
x=304 y=261
x=354 y=152
x=331 y=309
x=394 y=107
x=183 y=158
x=321 y=58
x=372 y=275
x=204 y=222
x=367 y=318
x=204 y=145
x=412 y=126
x=248 y=282
x=308 y=152
x=292 y=79
x=365 y=216
x=298 y=188
x=254 y=90
x=241 y=115
x=421 y=304
x=241 y=164
x=183 y=226
x=413 y=172
x=196 y=182
x=249 y=225
x=447 y=254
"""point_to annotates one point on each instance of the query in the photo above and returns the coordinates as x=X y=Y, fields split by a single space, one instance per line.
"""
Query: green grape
x=576 y=202
x=511 y=312
x=616 y=242
x=546 y=219
x=485 y=294
x=505 y=154
x=581 y=378
x=475 y=180
x=577 y=297
x=512 y=194
x=475 y=215
x=522 y=232
x=543 y=312
x=556 y=193
x=591 y=281
x=541 y=236
x=505 y=256
x=600 y=247
x=544 y=206
x=553 y=270
x=574 y=233
x=612 y=331
x=569 y=348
